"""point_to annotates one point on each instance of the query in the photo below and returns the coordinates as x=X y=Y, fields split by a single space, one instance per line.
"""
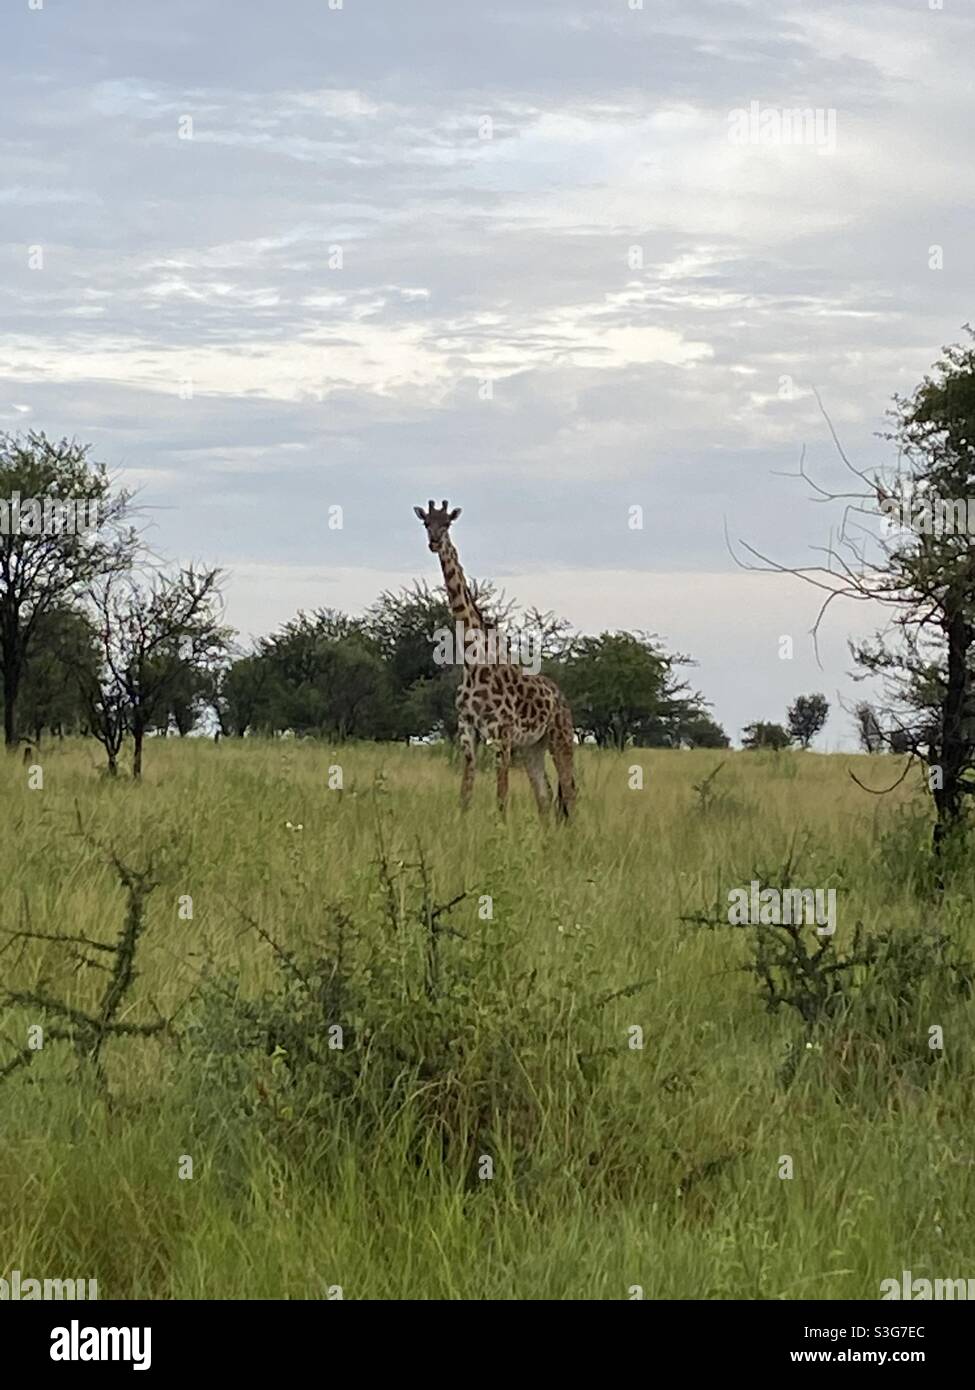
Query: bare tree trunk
x=954 y=748
x=10 y=683
x=138 y=733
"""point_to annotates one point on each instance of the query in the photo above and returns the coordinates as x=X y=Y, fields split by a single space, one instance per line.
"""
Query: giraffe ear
x=455 y=513
x=420 y=513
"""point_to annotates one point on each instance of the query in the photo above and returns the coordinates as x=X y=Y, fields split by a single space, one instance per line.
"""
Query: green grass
x=612 y=1166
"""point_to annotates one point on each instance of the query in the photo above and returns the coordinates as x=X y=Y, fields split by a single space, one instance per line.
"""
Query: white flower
x=289 y=826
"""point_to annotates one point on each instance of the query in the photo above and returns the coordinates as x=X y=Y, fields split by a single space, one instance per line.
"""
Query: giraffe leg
x=468 y=742
x=504 y=765
x=534 y=759
x=561 y=744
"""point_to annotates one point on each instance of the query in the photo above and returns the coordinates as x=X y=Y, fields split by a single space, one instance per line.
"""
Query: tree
x=148 y=631
x=61 y=526
x=404 y=625
x=900 y=741
x=916 y=556
x=328 y=677
x=929 y=574
x=615 y=683
x=545 y=632
x=765 y=735
x=681 y=719
x=49 y=698
x=806 y=717
x=701 y=731
x=244 y=695
x=869 y=732
x=190 y=694
x=100 y=685
x=430 y=706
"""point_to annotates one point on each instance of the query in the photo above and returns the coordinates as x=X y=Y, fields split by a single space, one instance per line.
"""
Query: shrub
x=405 y=1030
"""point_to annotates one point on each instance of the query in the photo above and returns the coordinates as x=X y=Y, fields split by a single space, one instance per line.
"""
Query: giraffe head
x=437 y=521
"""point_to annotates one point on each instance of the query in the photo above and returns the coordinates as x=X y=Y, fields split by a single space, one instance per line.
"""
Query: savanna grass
x=501 y=1028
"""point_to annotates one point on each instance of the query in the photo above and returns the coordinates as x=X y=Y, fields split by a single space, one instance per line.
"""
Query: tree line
x=377 y=677
x=97 y=639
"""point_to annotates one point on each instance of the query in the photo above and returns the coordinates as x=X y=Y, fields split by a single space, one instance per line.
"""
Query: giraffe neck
x=462 y=606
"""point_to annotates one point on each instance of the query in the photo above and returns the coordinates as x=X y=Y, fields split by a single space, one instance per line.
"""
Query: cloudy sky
x=272 y=259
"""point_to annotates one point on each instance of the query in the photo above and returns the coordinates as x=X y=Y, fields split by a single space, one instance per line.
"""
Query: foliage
x=623 y=688
x=806 y=718
x=406 y=1024
x=41 y=573
x=49 y=696
x=763 y=734
x=149 y=636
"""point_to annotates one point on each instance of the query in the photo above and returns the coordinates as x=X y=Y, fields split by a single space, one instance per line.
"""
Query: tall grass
x=488 y=1126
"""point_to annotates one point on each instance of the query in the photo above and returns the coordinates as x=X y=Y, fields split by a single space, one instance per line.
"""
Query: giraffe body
x=506 y=702
x=510 y=709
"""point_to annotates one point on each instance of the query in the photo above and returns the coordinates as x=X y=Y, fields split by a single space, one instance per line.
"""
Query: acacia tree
x=621 y=686
x=327 y=677
x=806 y=717
x=905 y=543
x=148 y=632
x=763 y=734
x=404 y=625
x=46 y=558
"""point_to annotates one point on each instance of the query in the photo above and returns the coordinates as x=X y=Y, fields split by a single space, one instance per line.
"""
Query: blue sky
x=295 y=256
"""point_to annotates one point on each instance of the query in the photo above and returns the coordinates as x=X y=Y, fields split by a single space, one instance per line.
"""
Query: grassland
x=494 y=1030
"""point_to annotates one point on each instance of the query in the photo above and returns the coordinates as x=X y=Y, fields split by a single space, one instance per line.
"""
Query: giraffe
x=519 y=713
